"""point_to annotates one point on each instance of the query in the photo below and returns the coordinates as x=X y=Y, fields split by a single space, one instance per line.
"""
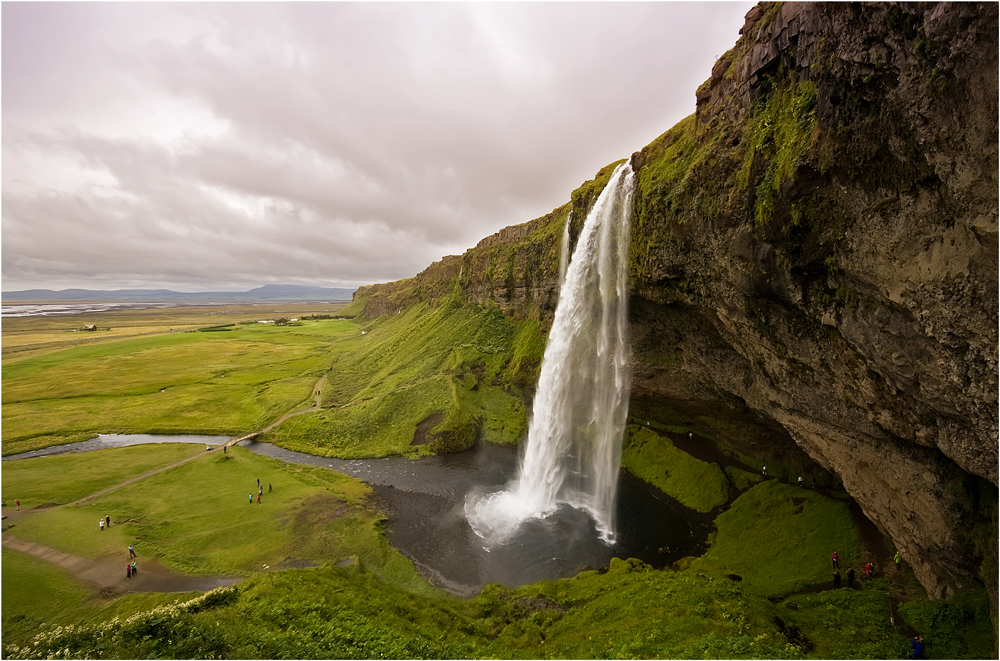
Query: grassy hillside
x=431 y=378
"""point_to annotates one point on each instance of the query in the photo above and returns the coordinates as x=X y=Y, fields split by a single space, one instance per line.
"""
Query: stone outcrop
x=816 y=249
x=860 y=311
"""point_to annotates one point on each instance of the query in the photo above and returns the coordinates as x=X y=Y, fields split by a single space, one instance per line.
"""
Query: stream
x=424 y=503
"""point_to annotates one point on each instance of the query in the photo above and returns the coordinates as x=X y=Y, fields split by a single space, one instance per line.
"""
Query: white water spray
x=573 y=451
x=564 y=252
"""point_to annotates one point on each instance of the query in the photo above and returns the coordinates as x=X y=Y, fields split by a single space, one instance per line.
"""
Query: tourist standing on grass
x=269 y=487
x=763 y=471
x=17 y=504
x=134 y=570
x=100 y=522
x=108 y=519
x=128 y=570
x=898 y=559
x=258 y=499
x=800 y=480
x=869 y=570
x=836 y=580
x=836 y=560
x=250 y=496
x=131 y=551
x=850 y=577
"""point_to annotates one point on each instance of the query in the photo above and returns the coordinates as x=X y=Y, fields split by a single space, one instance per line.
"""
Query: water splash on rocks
x=573 y=451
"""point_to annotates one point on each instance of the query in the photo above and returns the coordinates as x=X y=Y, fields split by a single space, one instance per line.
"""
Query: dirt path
x=137 y=478
x=317 y=405
x=109 y=575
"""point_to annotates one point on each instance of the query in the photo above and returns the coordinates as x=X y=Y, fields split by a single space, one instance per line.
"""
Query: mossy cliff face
x=820 y=241
x=814 y=265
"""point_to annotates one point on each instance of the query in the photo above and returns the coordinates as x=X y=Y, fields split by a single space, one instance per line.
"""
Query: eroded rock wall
x=854 y=287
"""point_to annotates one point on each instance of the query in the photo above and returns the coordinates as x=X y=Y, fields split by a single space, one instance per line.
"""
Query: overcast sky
x=199 y=146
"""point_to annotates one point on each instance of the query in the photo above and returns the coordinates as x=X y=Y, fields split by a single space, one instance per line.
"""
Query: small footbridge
x=245 y=437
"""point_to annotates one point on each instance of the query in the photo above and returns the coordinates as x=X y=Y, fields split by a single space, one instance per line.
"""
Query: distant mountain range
x=265 y=293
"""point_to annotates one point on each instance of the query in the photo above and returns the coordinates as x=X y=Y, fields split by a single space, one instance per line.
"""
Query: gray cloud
x=205 y=146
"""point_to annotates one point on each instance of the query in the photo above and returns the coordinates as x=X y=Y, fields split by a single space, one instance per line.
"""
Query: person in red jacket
x=836 y=560
x=869 y=570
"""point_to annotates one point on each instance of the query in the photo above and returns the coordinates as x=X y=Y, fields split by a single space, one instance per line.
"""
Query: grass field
x=65 y=478
x=190 y=382
x=779 y=539
x=197 y=518
x=653 y=458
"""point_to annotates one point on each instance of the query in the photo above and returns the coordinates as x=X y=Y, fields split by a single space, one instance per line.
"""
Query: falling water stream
x=573 y=450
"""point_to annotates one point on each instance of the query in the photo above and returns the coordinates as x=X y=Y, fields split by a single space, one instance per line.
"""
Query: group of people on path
x=869 y=570
x=130 y=568
x=260 y=491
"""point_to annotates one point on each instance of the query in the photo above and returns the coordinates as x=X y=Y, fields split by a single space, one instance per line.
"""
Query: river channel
x=424 y=503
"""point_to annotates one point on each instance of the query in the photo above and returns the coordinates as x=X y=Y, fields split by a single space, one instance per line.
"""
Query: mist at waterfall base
x=567 y=480
x=488 y=515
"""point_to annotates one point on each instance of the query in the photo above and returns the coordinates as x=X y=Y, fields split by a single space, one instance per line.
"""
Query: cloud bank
x=224 y=146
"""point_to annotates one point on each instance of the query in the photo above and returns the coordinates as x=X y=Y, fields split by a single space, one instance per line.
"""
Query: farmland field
x=154 y=372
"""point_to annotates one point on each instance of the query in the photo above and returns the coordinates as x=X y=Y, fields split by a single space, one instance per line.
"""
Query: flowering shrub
x=85 y=642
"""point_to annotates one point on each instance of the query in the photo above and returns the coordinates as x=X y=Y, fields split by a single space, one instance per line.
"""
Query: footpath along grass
x=69 y=477
x=37 y=593
x=213 y=383
x=198 y=519
x=631 y=611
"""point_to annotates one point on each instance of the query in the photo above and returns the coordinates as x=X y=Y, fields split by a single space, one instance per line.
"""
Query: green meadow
x=177 y=382
x=461 y=371
x=318 y=577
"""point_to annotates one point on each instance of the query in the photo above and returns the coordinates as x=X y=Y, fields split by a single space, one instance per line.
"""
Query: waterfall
x=573 y=451
x=564 y=251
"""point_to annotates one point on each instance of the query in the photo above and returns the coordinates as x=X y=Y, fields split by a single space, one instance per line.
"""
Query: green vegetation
x=197 y=518
x=780 y=131
x=631 y=611
x=653 y=458
x=65 y=478
x=166 y=383
x=460 y=370
x=960 y=628
x=454 y=368
x=36 y=592
x=779 y=538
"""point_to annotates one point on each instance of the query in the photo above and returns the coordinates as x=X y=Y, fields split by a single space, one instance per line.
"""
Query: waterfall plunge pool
x=424 y=501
